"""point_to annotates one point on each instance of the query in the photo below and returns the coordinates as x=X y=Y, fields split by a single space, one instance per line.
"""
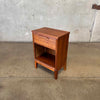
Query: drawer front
x=52 y=43
x=45 y=41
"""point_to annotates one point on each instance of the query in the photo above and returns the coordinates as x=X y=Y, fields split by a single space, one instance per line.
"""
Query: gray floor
x=19 y=80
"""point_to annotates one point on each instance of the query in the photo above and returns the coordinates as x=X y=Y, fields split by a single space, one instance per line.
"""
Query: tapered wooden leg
x=35 y=64
x=56 y=74
x=65 y=66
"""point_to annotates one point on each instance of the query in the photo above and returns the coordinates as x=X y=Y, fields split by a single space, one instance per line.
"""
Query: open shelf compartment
x=45 y=57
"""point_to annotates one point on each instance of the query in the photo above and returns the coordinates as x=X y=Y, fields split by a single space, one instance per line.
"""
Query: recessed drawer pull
x=44 y=36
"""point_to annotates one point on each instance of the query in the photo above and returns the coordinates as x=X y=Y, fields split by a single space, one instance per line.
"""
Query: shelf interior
x=47 y=58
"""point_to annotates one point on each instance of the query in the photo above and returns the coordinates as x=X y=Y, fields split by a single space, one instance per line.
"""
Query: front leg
x=64 y=66
x=56 y=74
x=35 y=64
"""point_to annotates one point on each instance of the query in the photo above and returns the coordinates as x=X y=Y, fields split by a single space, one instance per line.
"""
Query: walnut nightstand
x=50 y=48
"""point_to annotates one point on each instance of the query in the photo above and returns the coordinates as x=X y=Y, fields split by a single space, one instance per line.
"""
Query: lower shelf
x=47 y=60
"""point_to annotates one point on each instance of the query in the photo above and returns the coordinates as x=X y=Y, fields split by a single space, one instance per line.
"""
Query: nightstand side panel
x=62 y=48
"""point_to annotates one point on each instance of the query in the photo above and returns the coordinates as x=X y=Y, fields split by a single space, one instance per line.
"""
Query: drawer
x=45 y=41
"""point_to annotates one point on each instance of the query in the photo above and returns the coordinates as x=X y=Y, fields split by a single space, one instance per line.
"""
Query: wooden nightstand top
x=51 y=32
